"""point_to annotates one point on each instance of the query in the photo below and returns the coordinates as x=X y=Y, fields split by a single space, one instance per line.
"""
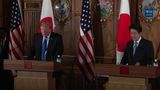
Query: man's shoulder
x=146 y=41
x=55 y=34
x=130 y=42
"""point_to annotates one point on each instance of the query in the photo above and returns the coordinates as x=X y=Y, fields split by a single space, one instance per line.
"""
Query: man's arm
x=150 y=53
x=59 y=47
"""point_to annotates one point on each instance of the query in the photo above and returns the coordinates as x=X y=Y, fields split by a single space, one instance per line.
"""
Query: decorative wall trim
x=32 y=5
x=62 y=10
x=149 y=10
x=105 y=8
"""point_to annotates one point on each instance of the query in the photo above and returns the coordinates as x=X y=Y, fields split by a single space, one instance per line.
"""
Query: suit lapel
x=131 y=49
x=51 y=42
x=139 y=47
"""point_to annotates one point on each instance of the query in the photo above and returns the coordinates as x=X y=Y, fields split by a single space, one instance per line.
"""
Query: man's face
x=134 y=34
x=45 y=30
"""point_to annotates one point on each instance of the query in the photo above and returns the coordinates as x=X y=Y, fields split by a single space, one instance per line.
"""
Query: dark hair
x=137 y=27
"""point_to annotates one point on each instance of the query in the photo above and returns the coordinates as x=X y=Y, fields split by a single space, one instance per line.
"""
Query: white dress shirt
x=138 y=41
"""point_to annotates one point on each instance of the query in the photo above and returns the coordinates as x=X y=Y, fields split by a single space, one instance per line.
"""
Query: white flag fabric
x=123 y=35
x=47 y=13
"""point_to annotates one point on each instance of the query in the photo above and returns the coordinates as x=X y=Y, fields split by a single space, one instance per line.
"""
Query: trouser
x=155 y=83
x=58 y=75
x=6 y=80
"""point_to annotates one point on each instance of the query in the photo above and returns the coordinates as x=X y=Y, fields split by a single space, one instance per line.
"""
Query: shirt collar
x=47 y=36
x=138 y=40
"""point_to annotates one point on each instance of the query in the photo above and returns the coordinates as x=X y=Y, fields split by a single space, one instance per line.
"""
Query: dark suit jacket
x=144 y=53
x=55 y=47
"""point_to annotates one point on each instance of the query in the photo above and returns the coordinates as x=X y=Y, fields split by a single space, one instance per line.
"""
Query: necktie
x=44 y=48
x=135 y=47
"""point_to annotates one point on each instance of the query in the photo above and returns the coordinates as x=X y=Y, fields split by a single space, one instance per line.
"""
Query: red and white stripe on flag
x=123 y=34
x=86 y=60
x=47 y=14
x=16 y=40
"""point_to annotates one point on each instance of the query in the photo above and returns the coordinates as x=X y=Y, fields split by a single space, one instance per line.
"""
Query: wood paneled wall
x=32 y=10
x=151 y=31
x=1 y=13
x=104 y=32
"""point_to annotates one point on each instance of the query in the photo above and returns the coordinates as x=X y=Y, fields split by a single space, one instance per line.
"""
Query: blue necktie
x=44 y=48
x=135 y=47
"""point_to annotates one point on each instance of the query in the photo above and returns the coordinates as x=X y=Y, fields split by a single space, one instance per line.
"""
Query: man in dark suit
x=139 y=51
x=46 y=45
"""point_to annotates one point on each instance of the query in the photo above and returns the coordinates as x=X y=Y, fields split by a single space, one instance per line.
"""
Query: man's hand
x=137 y=64
x=14 y=73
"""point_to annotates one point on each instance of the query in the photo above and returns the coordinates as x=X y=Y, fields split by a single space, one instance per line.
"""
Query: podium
x=33 y=75
x=123 y=77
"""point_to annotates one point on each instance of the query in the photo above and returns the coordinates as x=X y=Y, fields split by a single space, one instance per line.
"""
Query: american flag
x=16 y=32
x=86 y=46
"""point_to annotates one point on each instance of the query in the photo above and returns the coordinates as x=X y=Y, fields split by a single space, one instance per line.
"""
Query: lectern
x=33 y=75
x=123 y=77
